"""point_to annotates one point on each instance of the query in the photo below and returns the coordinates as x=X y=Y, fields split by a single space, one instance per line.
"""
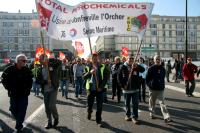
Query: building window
x=180 y=26
x=163 y=26
x=170 y=33
x=192 y=46
x=170 y=26
x=8 y=24
x=180 y=46
x=153 y=25
x=163 y=33
x=180 y=39
x=192 y=39
x=1 y=39
x=179 y=33
x=154 y=33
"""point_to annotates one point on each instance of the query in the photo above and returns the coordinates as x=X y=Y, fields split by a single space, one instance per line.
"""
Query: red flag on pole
x=61 y=55
x=44 y=16
x=79 y=48
x=40 y=51
x=124 y=51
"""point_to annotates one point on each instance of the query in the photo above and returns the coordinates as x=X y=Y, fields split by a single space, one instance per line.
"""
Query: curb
x=196 y=94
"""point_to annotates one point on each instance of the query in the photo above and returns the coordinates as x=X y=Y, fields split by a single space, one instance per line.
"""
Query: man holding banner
x=96 y=78
x=49 y=81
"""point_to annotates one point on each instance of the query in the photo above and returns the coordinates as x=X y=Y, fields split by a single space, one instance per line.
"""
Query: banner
x=89 y=19
x=124 y=51
x=79 y=48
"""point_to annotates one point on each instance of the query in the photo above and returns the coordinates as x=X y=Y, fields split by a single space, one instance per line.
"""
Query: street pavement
x=185 y=112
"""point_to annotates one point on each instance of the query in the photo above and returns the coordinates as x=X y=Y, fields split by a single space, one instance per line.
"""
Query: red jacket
x=188 y=71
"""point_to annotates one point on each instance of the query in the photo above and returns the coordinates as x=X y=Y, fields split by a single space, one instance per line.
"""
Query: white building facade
x=165 y=36
x=20 y=33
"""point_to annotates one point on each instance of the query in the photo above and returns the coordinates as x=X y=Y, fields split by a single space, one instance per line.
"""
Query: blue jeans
x=90 y=101
x=36 y=87
x=78 y=85
x=18 y=107
x=65 y=83
x=134 y=98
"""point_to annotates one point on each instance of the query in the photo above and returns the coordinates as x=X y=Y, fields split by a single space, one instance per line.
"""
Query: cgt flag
x=124 y=51
x=40 y=51
x=79 y=48
x=61 y=55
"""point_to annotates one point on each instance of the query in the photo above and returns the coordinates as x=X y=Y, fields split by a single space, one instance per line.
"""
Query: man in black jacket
x=129 y=80
x=17 y=80
x=156 y=82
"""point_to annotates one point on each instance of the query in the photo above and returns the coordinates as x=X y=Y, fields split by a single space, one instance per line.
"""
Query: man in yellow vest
x=96 y=77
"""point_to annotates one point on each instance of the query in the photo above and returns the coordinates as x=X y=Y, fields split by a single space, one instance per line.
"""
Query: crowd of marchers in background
x=92 y=78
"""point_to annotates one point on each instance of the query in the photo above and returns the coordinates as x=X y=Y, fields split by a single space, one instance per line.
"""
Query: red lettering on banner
x=93 y=6
x=54 y=5
x=64 y=10
x=144 y=6
x=98 y=6
x=83 y=6
x=105 y=6
x=113 y=6
x=59 y=8
x=123 y=6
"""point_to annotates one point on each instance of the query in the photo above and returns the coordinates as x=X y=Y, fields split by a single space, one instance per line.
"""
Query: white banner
x=66 y=22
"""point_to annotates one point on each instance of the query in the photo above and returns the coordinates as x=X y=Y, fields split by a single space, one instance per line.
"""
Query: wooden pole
x=45 y=57
x=90 y=45
x=97 y=83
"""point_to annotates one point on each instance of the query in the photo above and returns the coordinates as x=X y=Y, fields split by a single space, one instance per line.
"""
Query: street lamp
x=186 y=41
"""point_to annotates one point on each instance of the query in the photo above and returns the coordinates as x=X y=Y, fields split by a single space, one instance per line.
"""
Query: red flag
x=40 y=51
x=44 y=16
x=79 y=48
x=124 y=51
x=61 y=55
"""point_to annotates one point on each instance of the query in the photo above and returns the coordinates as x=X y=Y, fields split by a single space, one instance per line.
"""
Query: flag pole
x=44 y=49
x=90 y=45
x=135 y=59
x=97 y=83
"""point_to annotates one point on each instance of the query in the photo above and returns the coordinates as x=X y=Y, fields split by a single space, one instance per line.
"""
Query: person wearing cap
x=17 y=80
x=189 y=69
x=96 y=77
x=155 y=80
x=129 y=80
x=78 y=70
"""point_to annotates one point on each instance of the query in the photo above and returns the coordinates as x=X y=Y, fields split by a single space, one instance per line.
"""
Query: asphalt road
x=185 y=112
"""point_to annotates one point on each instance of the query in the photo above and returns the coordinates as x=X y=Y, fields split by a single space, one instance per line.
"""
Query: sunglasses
x=157 y=59
x=23 y=61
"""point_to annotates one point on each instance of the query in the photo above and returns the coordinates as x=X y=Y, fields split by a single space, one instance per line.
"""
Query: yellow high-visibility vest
x=88 y=80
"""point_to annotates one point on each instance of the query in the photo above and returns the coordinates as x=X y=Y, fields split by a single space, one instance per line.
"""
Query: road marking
x=33 y=115
x=196 y=94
